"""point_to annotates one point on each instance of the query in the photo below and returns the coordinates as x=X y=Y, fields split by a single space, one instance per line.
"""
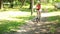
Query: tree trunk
x=31 y=6
x=11 y=3
x=22 y=2
x=1 y=5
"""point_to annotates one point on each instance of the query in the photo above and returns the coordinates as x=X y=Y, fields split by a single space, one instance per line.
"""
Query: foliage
x=57 y=0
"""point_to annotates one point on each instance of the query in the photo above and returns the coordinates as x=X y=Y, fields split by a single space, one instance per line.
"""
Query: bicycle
x=38 y=19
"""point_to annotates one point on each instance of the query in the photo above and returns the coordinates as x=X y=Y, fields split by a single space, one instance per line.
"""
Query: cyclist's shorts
x=38 y=9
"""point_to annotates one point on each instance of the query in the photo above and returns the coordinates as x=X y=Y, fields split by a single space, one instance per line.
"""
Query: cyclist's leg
x=39 y=16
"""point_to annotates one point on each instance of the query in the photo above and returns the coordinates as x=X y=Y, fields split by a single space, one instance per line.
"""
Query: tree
x=22 y=2
x=31 y=6
x=1 y=4
x=11 y=3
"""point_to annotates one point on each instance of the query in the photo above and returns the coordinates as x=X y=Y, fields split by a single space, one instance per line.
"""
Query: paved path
x=8 y=14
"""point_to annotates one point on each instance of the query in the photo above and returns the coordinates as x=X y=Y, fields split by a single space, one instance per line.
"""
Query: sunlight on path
x=50 y=14
x=9 y=14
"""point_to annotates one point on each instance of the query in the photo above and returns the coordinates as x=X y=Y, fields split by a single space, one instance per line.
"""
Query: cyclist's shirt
x=38 y=7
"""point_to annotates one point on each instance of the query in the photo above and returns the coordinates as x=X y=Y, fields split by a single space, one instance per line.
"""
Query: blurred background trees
x=21 y=3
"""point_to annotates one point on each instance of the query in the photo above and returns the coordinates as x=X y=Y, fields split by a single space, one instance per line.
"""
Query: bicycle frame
x=38 y=19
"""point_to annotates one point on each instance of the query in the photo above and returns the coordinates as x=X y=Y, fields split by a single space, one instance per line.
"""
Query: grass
x=13 y=25
x=54 y=18
x=7 y=26
x=26 y=18
x=25 y=9
x=56 y=23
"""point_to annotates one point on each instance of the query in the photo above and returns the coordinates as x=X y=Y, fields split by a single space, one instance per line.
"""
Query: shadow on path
x=31 y=27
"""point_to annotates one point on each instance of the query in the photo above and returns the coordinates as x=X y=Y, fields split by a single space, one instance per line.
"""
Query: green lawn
x=13 y=22
x=55 y=23
x=54 y=18
x=7 y=26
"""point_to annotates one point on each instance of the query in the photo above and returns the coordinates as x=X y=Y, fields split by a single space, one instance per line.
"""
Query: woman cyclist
x=38 y=8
